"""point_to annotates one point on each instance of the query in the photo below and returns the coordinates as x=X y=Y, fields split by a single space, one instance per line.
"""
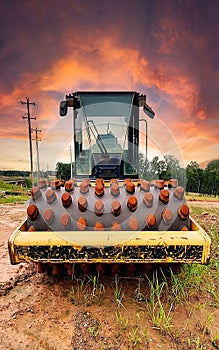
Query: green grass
x=4 y=186
x=13 y=199
x=201 y=197
x=196 y=286
x=158 y=306
x=197 y=210
x=87 y=290
x=135 y=337
x=208 y=219
x=118 y=293
x=196 y=278
x=215 y=340
x=121 y=321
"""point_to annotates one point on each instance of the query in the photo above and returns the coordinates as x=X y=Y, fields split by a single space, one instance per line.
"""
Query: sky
x=166 y=49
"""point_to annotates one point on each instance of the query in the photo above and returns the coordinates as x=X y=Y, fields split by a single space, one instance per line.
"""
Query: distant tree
x=143 y=167
x=181 y=177
x=19 y=173
x=155 y=168
x=211 y=178
x=29 y=182
x=194 y=177
x=165 y=169
x=63 y=171
x=169 y=167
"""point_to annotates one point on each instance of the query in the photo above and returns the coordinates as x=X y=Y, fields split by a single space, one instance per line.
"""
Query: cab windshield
x=102 y=130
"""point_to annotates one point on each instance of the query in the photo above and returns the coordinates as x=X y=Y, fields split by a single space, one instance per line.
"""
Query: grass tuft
x=159 y=311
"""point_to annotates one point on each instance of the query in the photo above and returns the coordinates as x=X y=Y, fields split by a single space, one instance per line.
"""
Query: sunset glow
x=166 y=50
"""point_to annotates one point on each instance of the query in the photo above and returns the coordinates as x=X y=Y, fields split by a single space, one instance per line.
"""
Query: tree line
x=18 y=173
x=193 y=178
x=203 y=181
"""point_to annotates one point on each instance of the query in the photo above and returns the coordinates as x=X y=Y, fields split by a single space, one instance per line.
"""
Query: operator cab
x=106 y=133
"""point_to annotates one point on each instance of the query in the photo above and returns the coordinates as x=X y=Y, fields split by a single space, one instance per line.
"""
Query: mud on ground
x=43 y=312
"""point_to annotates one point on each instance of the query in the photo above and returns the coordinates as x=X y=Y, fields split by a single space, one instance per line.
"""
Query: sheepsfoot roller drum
x=106 y=220
x=108 y=227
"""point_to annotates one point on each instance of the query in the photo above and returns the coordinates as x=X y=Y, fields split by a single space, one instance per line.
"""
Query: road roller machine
x=106 y=220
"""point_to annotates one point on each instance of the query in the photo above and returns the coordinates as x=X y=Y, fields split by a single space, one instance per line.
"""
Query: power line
x=28 y=103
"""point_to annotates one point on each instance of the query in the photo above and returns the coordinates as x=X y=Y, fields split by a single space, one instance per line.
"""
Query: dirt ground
x=45 y=312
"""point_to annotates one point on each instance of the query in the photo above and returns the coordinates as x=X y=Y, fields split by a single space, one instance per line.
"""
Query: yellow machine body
x=154 y=221
x=83 y=247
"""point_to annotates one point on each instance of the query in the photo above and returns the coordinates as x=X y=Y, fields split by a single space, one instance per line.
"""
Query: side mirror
x=148 y=111
x=63 y=109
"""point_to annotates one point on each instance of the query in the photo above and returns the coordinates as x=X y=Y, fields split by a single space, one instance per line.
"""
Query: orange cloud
x=110 y=67
x=201 y=114
x=106 y=65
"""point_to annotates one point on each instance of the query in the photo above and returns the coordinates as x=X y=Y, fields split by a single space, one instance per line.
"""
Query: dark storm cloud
x=28 y=39
x=178 y=38
x=34 y=34
x=180 y=34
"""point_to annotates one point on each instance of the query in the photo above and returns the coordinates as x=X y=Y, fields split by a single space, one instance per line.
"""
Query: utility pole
x=37 y=151
x=28 y=103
